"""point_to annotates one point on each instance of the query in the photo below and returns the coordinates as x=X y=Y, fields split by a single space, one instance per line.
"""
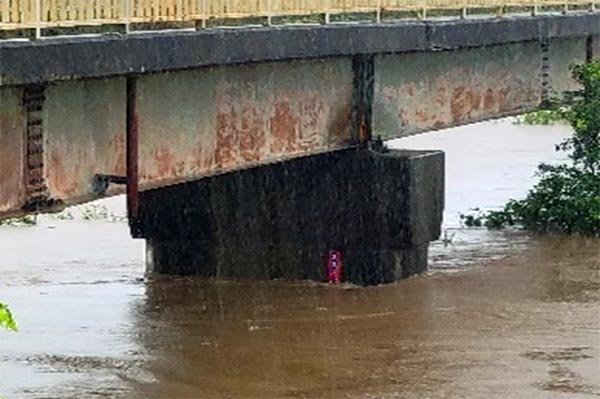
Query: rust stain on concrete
x=193 y=124
x=465 y=102
x=227 y=136
x=311 y=114
x=489 y=100
x=84 y=131
x=165 y=161
x=116 y=146
x=341 y=133
x=12 y=150
x=426 y=91
x=62 y=181
x=218 y=120
x=284 y=128
x=252 y=140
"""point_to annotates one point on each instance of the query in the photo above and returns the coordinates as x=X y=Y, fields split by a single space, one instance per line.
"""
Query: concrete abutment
x=380 y=210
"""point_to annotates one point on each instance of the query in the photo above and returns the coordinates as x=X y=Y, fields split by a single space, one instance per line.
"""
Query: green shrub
x=543 y=117
x=567 y=197
x=28 y=220
x=94 y=212
x=6 y=319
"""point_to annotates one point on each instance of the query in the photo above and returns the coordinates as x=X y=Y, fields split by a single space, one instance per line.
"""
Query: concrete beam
x=425 y=91
x=24 y=62
x=192 y=124
x=12 y=149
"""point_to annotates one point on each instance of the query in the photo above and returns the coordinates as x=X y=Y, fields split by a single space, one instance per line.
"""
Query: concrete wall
x=192 y=124
x=561 y=55
x=418 y=92
x=84 y=128
x=12 y=149
x=207 y=121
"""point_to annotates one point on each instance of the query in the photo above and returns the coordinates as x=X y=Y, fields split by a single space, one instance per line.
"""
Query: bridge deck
x=27 y=62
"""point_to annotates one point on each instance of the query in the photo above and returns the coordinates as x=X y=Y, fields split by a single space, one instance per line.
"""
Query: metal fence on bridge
x=42 y=14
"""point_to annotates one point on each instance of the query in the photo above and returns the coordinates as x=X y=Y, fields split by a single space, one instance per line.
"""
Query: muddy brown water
x=499 y=315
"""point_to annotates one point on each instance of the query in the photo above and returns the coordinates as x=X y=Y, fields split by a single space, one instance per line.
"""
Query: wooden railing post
x=179 y=12
x=204 y=13
x=38 y=19
x=127 y=12
x=500 y=11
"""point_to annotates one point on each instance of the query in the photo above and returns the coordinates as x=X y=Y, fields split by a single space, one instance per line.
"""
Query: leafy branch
x=6 y=319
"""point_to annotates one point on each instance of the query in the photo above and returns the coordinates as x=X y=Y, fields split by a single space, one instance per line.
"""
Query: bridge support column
x=380 y=210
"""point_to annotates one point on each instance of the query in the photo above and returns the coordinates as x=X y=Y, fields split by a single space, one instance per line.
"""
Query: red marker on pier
x=334 y=267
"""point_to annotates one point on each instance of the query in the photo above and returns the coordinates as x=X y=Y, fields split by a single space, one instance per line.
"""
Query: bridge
x=250 y=151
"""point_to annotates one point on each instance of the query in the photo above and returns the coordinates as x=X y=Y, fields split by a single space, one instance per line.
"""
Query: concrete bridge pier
x=380 y=209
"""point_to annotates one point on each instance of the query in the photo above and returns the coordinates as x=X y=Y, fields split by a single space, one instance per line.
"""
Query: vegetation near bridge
x=567 y=198
x=6 y=319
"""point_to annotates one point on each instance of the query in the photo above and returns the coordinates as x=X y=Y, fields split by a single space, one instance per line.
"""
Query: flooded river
x=499 y=315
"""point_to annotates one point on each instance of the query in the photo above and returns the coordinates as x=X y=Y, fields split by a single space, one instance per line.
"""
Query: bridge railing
x=41 y=14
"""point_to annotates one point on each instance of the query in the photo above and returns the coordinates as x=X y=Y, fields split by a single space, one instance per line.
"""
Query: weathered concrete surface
x=426 y=91
x=12 y=149
x=277 y=221
x=192 y=124
x=215 y=120
x=84 y=125
x=562 y=54
x=79 y=58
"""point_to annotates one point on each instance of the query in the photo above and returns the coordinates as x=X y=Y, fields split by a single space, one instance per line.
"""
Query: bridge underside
x=57 y=136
